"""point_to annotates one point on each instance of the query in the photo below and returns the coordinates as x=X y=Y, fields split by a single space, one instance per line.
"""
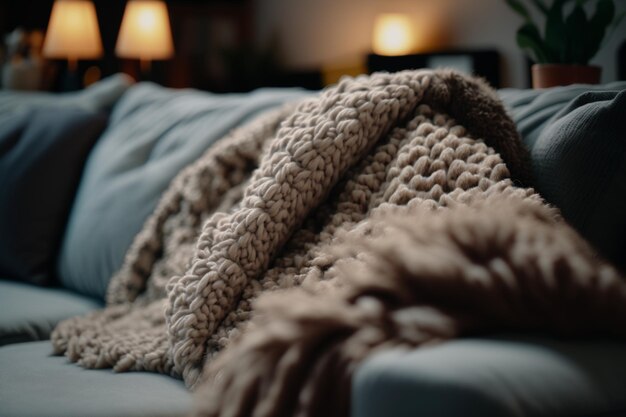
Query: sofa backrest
x=153 y=133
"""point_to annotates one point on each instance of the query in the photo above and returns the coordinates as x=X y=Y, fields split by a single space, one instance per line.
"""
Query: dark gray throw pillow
x=42 y=154
x=579 y=162
x=578 y=156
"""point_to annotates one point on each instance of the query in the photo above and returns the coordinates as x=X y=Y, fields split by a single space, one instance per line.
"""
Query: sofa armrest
x=494 y=377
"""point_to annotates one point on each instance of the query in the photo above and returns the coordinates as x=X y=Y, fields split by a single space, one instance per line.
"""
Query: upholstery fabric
x=569 y=128
x=505 y=377
x=153 y=133
x=534 y=109
x=590 y=132
x=42 y=154
x=29 y=313
x=34 y=384
x=98 y=97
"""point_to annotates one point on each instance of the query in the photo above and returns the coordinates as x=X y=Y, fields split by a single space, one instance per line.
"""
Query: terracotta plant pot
x=552 y=75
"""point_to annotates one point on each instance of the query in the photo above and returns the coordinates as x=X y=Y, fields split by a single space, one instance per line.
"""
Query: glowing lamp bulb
x=393 y=35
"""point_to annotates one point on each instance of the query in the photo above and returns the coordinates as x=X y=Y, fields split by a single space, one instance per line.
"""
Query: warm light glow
x=73 y=31
x=393 y=35
x=145 y=32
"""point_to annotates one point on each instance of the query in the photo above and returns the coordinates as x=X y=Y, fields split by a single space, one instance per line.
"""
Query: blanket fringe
x=413 y=280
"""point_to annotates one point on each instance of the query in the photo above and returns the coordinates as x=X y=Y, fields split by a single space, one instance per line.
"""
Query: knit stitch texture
x=256 y=214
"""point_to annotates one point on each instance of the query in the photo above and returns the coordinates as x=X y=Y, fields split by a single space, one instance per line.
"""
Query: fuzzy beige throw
x=385 y=211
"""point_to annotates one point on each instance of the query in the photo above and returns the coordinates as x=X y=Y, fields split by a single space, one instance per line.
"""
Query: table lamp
x=393 y=35
x=73 y=32
x=145 y=33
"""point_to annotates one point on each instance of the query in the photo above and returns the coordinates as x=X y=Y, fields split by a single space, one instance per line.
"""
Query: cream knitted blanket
x=392 y=202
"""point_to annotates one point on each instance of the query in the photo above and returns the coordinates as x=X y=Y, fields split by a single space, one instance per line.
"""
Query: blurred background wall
x=327 y=32
x=227 y=45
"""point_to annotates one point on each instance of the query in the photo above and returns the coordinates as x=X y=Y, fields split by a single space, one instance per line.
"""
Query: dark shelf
x=484 y=63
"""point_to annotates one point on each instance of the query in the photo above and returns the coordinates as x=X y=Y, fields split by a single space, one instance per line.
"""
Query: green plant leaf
x=529 y=39
x=555 y=30
x=541 y=5
x=616 y=22
x=575 y=24
x=519 y=8
x=601 y=19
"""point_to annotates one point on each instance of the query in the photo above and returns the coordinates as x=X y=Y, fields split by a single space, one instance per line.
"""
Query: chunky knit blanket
x=388 y=210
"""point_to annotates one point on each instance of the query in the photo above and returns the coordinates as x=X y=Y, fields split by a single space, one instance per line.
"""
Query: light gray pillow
x=98 y=97
x=153 y=133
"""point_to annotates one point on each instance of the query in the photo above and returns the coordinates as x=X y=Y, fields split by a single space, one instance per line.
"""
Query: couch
x=80 y=172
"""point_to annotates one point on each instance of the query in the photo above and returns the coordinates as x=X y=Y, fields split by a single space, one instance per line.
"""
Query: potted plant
x=570 y=39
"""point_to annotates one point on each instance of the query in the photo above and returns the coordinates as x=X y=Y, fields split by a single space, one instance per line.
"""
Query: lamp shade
x=393 y=35
x=73 y=31
x=145 y=31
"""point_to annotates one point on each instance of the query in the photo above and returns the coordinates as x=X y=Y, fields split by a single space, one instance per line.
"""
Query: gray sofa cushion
x=506 y=377
x=532 y=110
x=578 y=155
x=579 y=162
x=100 y=96
x=153 y=133
x=42 y=154
x=32 y=383
x=30 y=313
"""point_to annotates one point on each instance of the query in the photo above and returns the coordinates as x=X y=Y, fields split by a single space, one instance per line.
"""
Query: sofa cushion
x=42 y=154
x=29 y=313
x=578 y=156
x=98 y=97
x=533 y=109
x=579 y=162
x=34 y=383
x=153 y=133
x=506 y=377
